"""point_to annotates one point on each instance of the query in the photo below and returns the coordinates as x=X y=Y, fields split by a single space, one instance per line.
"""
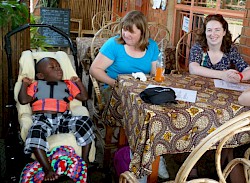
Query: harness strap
x=51 y=84
x=66 y=99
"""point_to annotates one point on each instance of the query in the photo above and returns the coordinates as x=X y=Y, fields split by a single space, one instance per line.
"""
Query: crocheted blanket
x=64 y=161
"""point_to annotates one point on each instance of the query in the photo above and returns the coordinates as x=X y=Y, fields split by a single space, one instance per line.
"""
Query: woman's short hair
x=138 y=19
x=227 y=39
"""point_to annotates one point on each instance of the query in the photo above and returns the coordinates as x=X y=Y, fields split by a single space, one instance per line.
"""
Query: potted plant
x=38 y=41
x=14 y=12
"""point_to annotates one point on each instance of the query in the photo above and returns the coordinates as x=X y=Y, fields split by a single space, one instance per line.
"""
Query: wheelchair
x=21 y=114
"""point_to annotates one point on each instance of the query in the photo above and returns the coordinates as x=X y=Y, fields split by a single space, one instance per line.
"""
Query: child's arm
x=83 y=95
x=23 y=97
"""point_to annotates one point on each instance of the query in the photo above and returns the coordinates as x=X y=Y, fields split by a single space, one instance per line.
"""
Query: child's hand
x=75 y=79
x=27 y=80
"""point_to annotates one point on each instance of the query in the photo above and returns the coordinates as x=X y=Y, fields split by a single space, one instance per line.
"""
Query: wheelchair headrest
x=28 y=58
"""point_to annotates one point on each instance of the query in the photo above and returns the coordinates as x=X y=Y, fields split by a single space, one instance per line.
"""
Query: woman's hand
x=231 y=75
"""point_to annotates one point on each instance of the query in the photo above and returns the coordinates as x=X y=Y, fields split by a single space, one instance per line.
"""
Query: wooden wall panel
x=85 y=10
x=20 y=42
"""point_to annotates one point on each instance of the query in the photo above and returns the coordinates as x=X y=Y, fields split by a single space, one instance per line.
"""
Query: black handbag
x=158 y=95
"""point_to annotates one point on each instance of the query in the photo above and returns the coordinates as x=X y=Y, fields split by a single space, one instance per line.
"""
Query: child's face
x=51 y=71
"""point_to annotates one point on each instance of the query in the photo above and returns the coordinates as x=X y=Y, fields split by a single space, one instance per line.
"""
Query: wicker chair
x=220 y=136
x=127 y=177
x=99 y=108
x=160 y=34
x=182 y=50
x=105 y=32
x=102 y=18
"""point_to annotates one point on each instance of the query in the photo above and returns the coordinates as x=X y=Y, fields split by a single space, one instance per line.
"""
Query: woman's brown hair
x=138 y=19
x=227 y=39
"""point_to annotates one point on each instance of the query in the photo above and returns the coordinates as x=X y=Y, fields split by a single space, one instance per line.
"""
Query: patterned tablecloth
x=154 y=130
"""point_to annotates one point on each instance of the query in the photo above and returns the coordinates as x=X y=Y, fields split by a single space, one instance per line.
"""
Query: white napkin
x=140 y=75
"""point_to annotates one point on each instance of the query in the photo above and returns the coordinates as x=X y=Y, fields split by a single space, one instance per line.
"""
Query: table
x=153 y=130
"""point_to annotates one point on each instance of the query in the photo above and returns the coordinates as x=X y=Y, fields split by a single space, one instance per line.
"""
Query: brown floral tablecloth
x=154 y=130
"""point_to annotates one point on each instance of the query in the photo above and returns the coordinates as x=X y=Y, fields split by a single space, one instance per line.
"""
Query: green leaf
x=36 y=39
x=17 y=14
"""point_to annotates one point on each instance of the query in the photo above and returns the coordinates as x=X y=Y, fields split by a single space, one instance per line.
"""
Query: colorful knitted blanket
x=64 y=161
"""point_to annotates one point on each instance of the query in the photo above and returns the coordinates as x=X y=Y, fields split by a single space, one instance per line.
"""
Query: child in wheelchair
x=49 y=97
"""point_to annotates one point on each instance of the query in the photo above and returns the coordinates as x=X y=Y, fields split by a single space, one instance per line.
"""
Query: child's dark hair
x=37 y=64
